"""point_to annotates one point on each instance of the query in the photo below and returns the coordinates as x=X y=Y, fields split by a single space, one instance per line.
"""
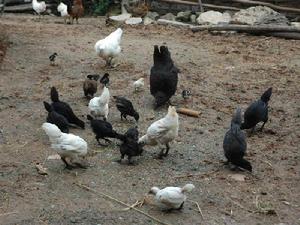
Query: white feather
x=63 y=9
x=98 y=106
x=139 y=84
x=39 y=7
x=109 y=47
x=162 y=131
x=170 y=197
x=66 y=145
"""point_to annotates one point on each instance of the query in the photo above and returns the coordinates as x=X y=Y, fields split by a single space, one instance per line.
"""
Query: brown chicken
x=77 y=10
x=139 y=10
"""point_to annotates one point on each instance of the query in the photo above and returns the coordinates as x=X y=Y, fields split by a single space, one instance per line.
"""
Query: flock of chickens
x=163 y=85
x=67 y=9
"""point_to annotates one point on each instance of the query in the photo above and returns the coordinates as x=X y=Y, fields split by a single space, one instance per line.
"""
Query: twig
x=120 y=202
x=239 y=205
x=200 y=211
x=9 y=213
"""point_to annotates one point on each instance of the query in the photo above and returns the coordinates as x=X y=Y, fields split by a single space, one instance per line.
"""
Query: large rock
x=184 y=16
x=213 y=17
x=148 y=21
x=121 y=18
x=134 y=20
x=259 y=15
x=152 y=15
x=168 y=16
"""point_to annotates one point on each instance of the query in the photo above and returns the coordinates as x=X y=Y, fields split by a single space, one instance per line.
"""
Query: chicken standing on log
x=163 y=76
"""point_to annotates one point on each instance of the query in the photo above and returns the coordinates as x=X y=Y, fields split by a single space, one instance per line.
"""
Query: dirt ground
x=222 y=71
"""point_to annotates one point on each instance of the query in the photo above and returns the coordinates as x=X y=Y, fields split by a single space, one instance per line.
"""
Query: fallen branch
x=188 y=112
x=120 y=202
x=246 y=28
x=282 y=8
x=198 y=206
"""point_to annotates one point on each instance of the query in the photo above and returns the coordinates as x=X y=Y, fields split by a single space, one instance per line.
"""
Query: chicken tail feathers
x=47 y=106
x=266 y=95
x=188 y=188
x=54 y=95
x=120 y=136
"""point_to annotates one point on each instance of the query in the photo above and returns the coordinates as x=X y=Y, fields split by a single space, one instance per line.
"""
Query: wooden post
x=201 y=6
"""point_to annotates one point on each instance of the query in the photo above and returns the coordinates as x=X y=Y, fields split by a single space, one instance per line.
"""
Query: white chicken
x=162 y=131
x=63 y=9
x=68 y=146
x=139 y=84
x=171 y=197
x=98 y=106
x=109 y=47
x=38 y=7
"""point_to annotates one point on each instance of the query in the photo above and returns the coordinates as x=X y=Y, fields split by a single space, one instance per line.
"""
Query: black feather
x=126 y=108
x=105 y=79
x=235 y=144
x=163 y=76
x=257 y=111
x=130 y=146
x=103 y=129
x=64 y=109
x=55 y=118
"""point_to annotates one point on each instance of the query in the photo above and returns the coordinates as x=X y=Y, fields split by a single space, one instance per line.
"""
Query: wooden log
x=282 y=8
x=246 y=28
x=188 y=112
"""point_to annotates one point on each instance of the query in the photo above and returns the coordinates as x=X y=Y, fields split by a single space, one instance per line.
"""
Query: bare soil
x=222 y=71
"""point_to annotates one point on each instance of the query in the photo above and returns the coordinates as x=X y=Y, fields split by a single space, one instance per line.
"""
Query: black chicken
x=52 y=58
x=90 y=85
x=105 y=79
x=235 y=144
x=64 y=109
x=103 y=130
x=257 y=112
x=55 y=118
x=163 y=76
x=126 y=108
x=130 y=146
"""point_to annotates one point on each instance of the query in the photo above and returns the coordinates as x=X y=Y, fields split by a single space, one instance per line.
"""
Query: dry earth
x=223 y=72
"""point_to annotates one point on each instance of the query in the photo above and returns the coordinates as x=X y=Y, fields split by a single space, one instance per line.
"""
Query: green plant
x=101 y=7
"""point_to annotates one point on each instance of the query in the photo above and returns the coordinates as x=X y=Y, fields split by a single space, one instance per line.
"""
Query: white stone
x=134 y=20
x=213 y=17
x=120 y=18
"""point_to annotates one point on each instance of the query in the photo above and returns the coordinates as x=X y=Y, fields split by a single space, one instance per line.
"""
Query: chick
x=126 y=108
x=171 y=197
x=139 y=84
x=257 y=112
x=235 y=144
x=186 y=94
x=105 y=79
x=57 y=119
x=52 y=58
x=68 y=146
x=90 y=85
x=64 y=109
x=98 y=106
x=163 y=131
x=109 y=47
x=103 y=129
x=130 y=146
